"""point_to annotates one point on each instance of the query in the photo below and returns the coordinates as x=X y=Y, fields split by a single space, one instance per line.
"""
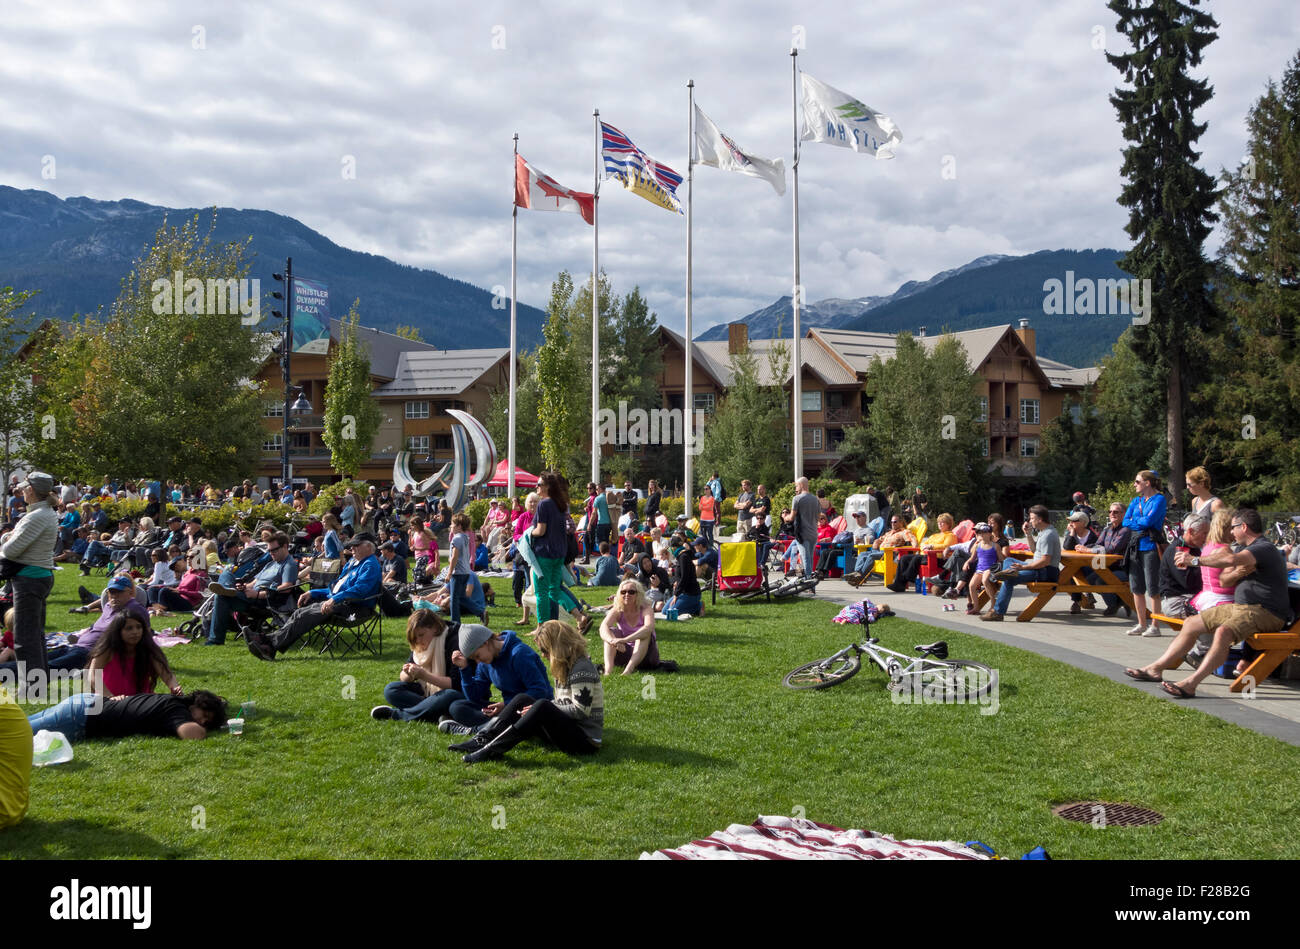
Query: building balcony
x=1004 y=428
x=845 y=415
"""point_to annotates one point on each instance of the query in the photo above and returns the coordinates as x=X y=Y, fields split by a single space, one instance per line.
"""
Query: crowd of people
x=1216 y=572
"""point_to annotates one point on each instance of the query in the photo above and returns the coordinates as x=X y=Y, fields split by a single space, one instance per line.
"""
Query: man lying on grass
x=88 y=715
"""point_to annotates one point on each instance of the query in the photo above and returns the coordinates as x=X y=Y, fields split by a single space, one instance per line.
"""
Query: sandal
x=1142 y=675
x=1177 y=691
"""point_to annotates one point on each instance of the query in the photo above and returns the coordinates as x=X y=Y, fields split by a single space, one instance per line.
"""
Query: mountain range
x=76 y=251
x=987 y=291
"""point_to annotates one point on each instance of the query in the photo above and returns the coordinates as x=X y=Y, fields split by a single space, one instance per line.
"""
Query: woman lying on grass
x=131 y=662
x=426 y=688
x=573 y=721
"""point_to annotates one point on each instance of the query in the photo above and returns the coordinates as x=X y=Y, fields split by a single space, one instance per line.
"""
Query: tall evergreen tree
x=1251 y=397
x=1170 y=199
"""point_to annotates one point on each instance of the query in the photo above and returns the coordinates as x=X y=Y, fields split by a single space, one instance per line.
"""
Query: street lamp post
x=300 y=406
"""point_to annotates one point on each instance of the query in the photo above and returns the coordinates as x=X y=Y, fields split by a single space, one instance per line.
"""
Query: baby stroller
x=740 y=575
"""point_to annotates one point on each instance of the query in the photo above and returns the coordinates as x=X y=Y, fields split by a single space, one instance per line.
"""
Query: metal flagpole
x=688 y=393
x=796 y=434
x=595 y=311
x=514 y=251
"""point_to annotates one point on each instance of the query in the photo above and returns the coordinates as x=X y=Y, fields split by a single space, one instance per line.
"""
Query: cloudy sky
x=270 y=105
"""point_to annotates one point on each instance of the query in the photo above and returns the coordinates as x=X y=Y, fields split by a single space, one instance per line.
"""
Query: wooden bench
x=1274 y=648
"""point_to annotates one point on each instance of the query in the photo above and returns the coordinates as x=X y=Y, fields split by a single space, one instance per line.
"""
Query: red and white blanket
x=794 y=838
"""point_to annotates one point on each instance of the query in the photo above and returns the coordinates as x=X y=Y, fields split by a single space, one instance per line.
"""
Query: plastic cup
x=247 y=709
x=236 y=726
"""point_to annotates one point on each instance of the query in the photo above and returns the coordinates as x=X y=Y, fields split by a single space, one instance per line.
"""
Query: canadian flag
x=539 y=191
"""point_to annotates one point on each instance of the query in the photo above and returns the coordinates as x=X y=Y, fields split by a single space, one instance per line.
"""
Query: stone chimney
x=737 y=338
x=1027 y=336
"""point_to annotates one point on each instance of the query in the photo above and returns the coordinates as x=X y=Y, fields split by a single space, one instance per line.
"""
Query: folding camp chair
x=740 y=574
x=356 y=627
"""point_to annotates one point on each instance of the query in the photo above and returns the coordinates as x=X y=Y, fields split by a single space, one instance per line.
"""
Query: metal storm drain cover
x=1106 y=814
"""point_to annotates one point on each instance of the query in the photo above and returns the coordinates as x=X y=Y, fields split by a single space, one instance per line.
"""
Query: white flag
x=837 y=118
x=719 y=151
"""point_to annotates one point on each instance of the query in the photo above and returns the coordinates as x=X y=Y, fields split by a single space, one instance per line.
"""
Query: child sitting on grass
x=607 y=571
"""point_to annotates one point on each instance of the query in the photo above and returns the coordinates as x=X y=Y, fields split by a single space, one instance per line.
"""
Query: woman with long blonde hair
x=628 y=631
x=573 y=721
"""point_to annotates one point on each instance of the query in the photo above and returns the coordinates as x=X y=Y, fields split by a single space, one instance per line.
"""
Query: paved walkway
x=1097 y=644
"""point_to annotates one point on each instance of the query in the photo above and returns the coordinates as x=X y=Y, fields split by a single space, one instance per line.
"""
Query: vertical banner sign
x=311 y=316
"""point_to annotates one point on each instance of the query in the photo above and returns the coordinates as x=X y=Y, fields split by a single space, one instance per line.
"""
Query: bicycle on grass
x=931 y=673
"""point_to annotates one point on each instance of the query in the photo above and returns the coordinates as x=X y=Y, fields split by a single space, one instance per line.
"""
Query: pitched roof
x=439 y=372
x=385 y=348
x=817 y=358
x=858 y=349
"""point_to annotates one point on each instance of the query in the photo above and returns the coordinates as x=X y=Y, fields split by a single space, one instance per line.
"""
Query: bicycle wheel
x=952 y=680
x=823 y=673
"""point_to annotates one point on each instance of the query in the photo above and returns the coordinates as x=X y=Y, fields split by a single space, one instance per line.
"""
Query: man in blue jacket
x=486 y=659
x=358 y=587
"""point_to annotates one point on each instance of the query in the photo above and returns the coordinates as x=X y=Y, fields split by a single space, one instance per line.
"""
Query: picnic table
x=1073 y=579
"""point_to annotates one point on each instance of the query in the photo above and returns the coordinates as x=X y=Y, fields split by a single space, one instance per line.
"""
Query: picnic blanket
x=795 y=838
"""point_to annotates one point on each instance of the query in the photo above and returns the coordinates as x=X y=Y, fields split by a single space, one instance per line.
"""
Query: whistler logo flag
x=836 y=118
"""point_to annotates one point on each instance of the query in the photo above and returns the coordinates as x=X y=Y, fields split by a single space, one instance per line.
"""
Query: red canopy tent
x=522 y=478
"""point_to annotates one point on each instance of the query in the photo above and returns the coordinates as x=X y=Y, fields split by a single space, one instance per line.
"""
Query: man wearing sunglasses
x=269 y=588
x=1260 y=605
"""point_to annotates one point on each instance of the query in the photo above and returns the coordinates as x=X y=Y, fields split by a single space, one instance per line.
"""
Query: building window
x=812 y=401
x=812 y=439
x=299 y=442
x=1029 y=448
x=1028 y=411
x=1076 y=413
x=984 y=409
x=417 y=409
x=985 y=445
x=417 y=443
x=274 y=443
x=705 y=401
x=442 y=443
x=274 y=410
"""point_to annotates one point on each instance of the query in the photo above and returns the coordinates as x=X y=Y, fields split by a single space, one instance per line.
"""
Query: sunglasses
x=627 y=592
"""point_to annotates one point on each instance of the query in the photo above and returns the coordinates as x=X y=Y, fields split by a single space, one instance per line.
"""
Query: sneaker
x=1136 y=630
x=449 y=726
x=1089 y=601
x=1151 y=632
x=382 y=713
x=85 y=571
x=992 y=616
x=1075 y=608
x=86 y=596
x=473 y=743
x=1110 y=610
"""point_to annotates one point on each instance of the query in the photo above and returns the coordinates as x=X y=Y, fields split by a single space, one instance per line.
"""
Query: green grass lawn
x=721 y=742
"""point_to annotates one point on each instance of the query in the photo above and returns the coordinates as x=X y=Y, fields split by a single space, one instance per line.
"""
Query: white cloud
x=426 y=101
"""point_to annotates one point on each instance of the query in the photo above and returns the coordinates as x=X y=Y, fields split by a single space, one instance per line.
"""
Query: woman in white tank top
x=1204 y=503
